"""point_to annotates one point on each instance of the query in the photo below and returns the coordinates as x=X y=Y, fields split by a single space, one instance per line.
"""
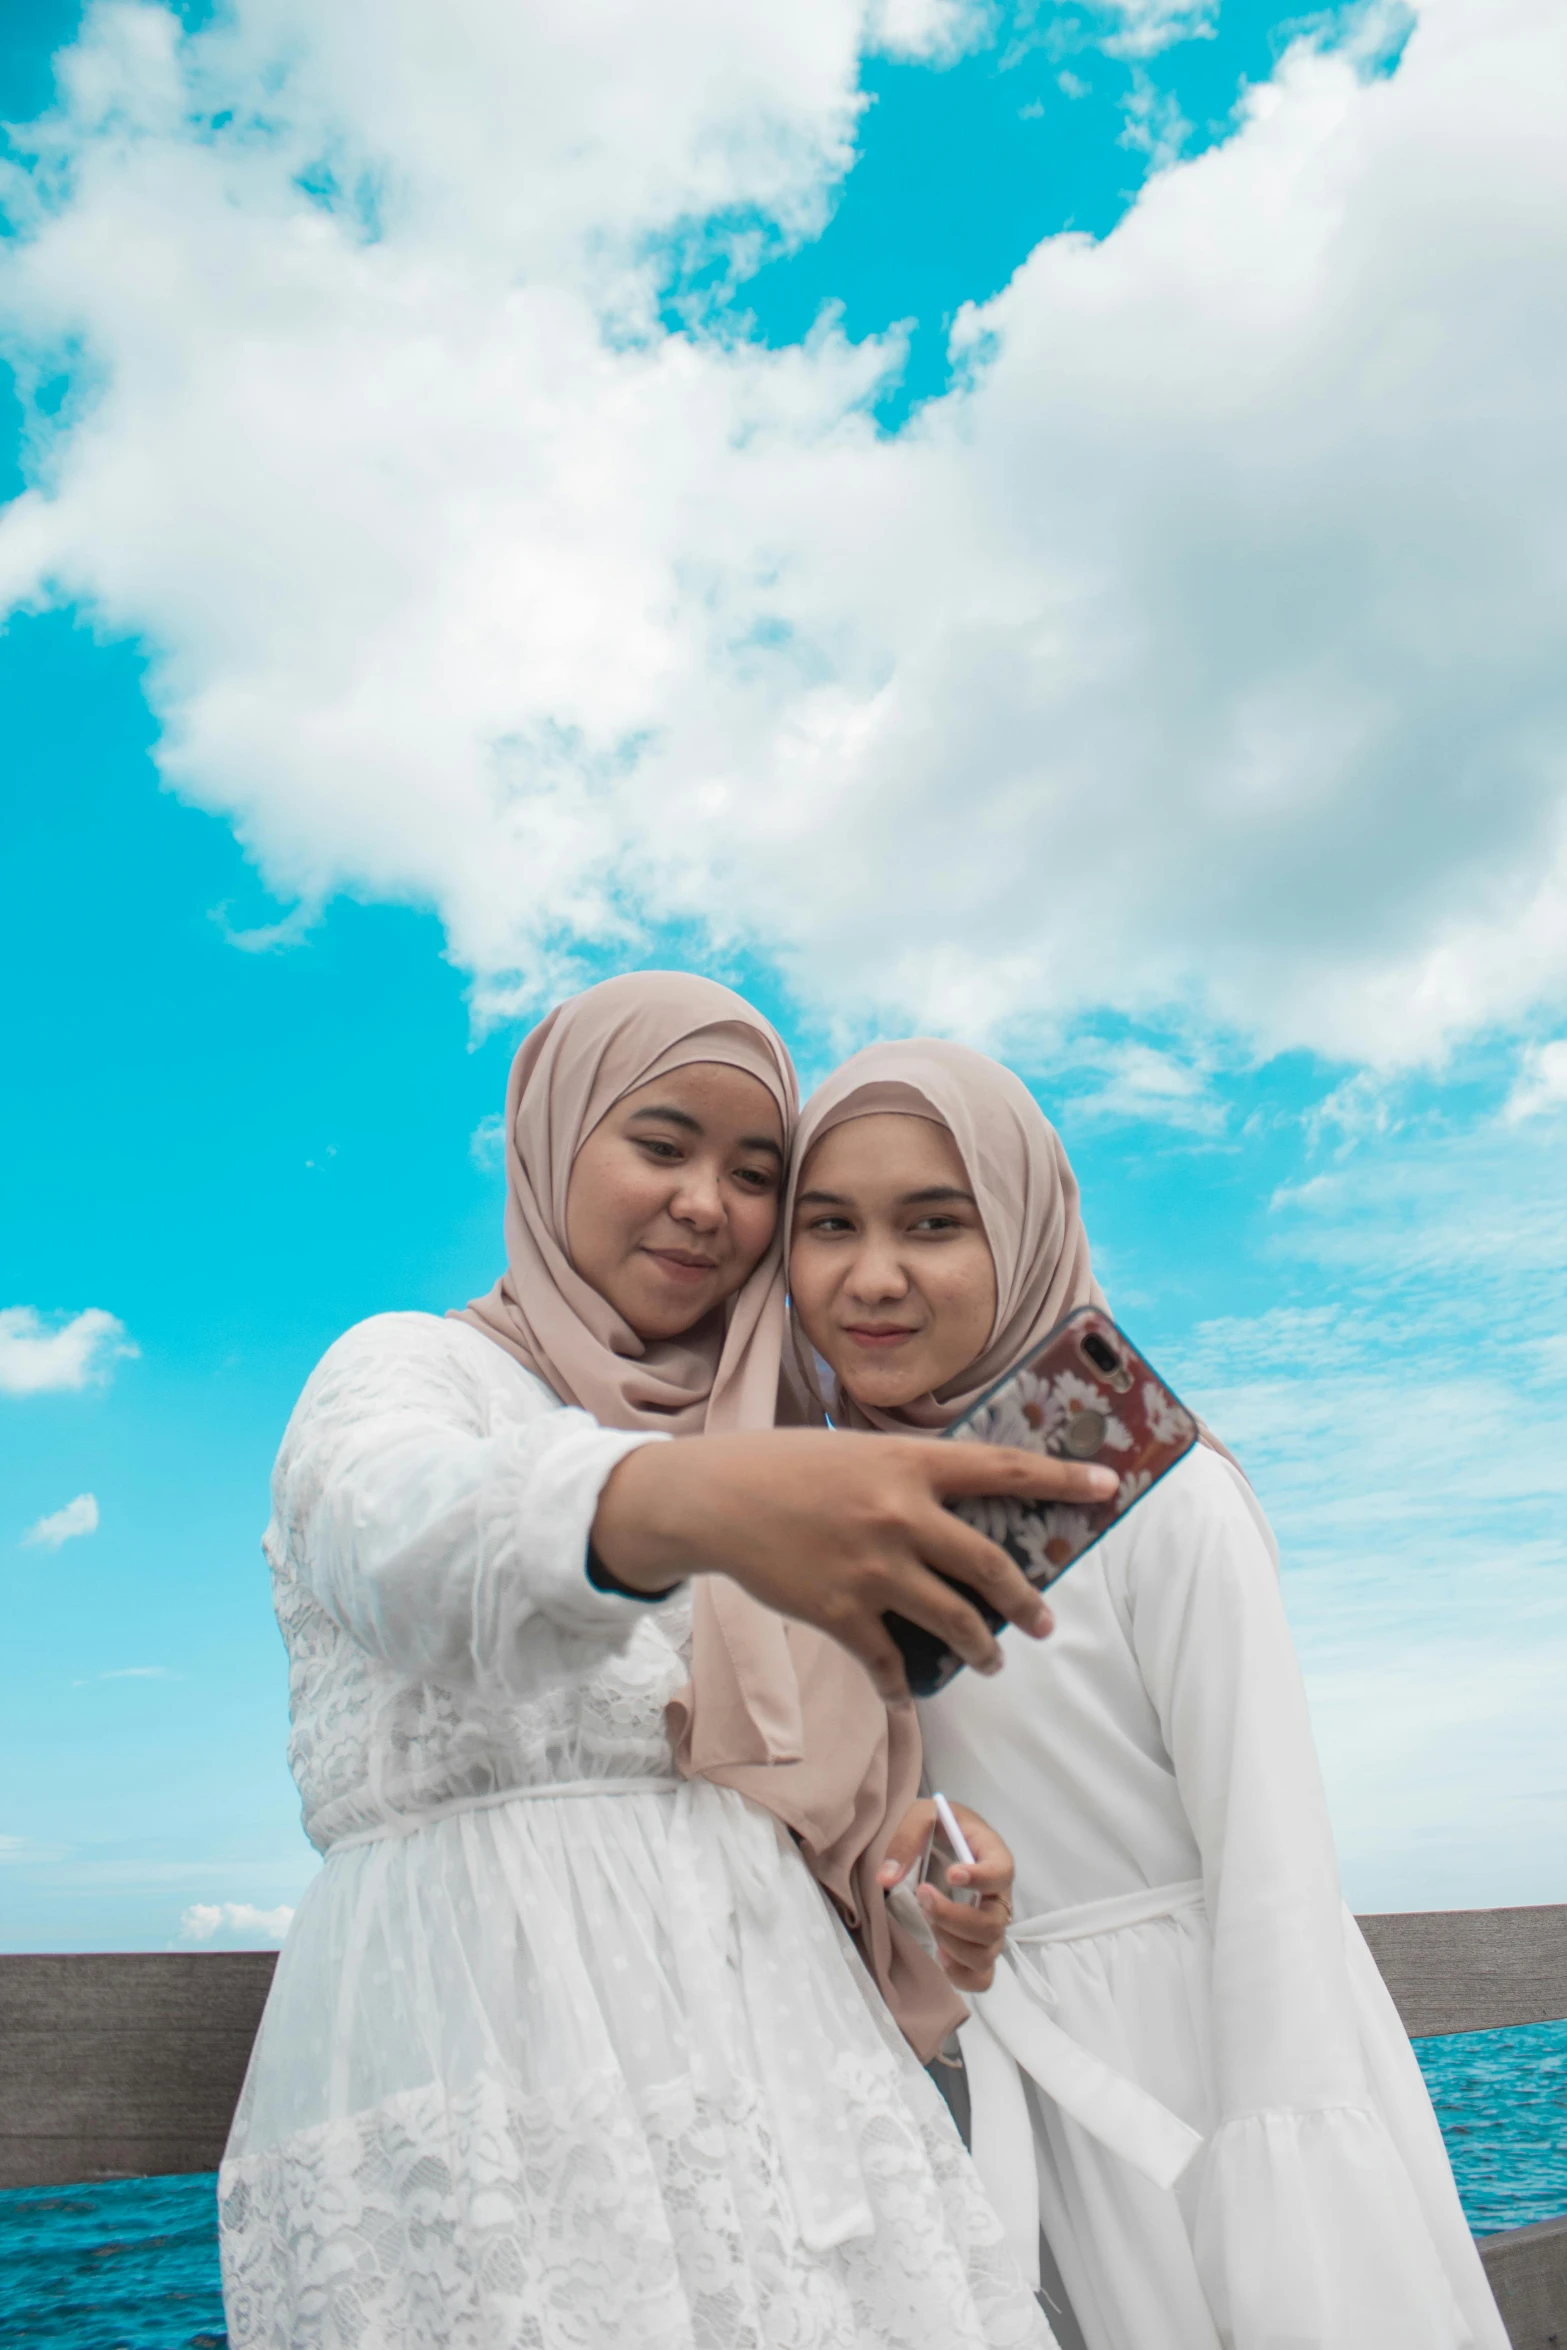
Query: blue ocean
x=134 y=2265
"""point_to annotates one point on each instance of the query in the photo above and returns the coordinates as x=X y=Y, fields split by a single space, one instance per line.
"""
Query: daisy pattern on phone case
x=1054 y=1404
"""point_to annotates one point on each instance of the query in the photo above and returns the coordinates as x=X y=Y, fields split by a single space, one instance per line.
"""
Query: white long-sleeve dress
x=561 y=2053
x=1181 y=1944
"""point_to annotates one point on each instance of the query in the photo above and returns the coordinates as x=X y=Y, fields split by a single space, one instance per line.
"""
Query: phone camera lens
x=1100 y=1354
x=1083 y=1434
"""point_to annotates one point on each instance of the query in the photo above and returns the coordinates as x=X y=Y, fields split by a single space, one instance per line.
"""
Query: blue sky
x=974 y=524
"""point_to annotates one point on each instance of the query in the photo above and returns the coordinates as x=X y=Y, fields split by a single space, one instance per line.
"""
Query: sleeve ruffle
x=1309 y=2231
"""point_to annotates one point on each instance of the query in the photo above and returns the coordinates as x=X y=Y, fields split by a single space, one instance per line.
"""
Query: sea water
x=134 y=2265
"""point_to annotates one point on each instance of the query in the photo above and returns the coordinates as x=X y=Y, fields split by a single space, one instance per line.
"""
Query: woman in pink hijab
x=1187 y=2069
x=565 y=2046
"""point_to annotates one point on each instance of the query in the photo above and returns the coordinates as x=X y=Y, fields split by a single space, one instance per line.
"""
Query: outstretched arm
x=837 y=1530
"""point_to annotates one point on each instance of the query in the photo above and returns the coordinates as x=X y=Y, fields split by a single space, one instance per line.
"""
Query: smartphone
x=1084 y=1394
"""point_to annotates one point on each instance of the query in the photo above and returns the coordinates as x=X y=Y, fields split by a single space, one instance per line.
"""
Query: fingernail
x=991 y=1666
x=890 y=1871
x=1041 y=1622
x=1104 y=1482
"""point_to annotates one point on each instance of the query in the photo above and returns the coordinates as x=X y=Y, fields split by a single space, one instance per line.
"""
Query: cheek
x=967 y=1306
x=809 y=1288
x=603 y=1201
x=753 y=1220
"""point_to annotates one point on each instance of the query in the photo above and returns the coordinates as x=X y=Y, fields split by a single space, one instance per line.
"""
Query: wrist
x=602 y=1579
x=634 y=1537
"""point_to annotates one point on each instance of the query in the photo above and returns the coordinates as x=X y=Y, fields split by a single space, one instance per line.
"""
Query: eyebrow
x=910 y=1199
x=690 y=1125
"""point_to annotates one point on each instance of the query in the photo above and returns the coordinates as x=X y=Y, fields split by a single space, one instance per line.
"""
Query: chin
x=655 y=1318
x=886 y=1395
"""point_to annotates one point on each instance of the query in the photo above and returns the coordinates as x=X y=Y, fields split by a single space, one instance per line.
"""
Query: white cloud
x=26 y=1851
x=64 y=1525
x=236 y=1924
x=1154 y=124
x=1356 y=1109
x=934 y=30
x=487 y=1142
x=1542 y=1083
x=1141 y=1083
x=36 y=1360
x=1198 y=656
x=1146 y=26
x=270 y=938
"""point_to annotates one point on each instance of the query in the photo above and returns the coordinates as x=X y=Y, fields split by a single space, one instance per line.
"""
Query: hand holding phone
x=1084 y=1394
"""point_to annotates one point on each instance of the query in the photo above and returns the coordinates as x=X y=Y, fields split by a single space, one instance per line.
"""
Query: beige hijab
x=772 y=1708
x=1024 y=1187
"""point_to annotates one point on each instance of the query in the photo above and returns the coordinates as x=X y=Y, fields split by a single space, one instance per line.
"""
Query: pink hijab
x=772 y=1708
x=1025 y=1189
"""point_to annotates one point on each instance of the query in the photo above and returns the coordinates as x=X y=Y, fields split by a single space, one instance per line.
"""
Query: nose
x=698 y=1199
x=877 y=1276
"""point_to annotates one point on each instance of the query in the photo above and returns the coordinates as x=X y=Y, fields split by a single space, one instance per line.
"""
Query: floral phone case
x=1084 y=1394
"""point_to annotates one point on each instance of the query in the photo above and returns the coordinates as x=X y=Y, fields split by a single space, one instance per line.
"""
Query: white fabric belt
x=1010 y=2033
x=404 y=1823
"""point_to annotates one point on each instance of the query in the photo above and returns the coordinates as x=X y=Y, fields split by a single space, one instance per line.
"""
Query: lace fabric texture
x=486 y=2222
x=586 y=2073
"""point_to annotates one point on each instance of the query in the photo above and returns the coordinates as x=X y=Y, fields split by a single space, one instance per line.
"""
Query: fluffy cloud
x=79 y=1352
x=237 y=1924
x=1542 y=1083
x=1197 y=656
x=78 y=1517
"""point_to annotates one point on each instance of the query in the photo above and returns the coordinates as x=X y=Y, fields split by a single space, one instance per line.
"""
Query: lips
x=879 y=1338
x=680 y=1265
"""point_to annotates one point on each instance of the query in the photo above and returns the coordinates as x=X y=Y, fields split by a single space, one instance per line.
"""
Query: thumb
x=909 y=1840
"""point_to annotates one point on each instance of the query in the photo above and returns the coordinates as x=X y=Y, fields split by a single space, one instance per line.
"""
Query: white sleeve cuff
x=532 y=1591
x=1309 y=2230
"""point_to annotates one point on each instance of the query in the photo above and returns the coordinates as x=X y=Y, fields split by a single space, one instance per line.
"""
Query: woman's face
x=889 y=1267
x=673 y=1197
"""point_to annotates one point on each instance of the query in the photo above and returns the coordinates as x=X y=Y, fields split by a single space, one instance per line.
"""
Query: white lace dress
x=559 y=2052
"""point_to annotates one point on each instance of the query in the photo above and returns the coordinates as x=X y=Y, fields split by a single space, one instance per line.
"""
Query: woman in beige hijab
x=565 y=2047
x=1188 y=2068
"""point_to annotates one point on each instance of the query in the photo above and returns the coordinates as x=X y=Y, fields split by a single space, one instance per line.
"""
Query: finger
x=909 y=1840
x=966 y=1916
x=865 y=1636
x=952 y=1548
x=993 y=1867
x=990 y=1879
x=960 y=1922
x=958 y=1469
x=932 y=1604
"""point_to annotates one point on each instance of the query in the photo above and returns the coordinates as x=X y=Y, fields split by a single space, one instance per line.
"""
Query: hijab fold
x=774 y=1709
